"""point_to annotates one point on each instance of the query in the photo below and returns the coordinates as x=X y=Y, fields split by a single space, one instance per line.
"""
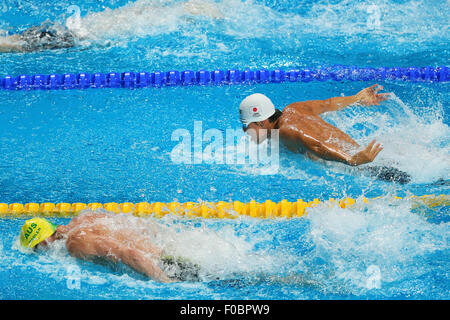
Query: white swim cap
x=256 y=107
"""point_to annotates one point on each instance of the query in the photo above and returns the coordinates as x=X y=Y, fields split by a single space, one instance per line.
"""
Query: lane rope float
x=220 y=77
x=221 y=209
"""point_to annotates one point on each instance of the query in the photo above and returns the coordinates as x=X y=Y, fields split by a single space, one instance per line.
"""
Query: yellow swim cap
x=35 y=231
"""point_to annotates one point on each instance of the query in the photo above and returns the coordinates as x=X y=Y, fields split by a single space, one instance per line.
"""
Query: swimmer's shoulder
x=92 y=215
x=301 y=107
x=85 y=218
x=292 y=119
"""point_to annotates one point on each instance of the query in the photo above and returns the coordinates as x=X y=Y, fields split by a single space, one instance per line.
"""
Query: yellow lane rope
x=221 y=209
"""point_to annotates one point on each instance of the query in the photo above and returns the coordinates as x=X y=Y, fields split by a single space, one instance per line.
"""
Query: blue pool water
x=115 y=145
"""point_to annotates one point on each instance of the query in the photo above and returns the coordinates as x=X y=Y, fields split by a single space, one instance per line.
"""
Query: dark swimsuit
x=47 y=36
x=388 y=174
x=179 y=268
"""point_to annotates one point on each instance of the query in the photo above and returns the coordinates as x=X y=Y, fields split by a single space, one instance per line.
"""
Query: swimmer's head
x=255 y=108
x=36 y=231
x=258 y=112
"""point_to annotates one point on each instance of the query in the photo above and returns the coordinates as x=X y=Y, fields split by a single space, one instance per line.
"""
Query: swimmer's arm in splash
x=89 y=246
x=327 y=151
x=11 y=44
x=367 y=97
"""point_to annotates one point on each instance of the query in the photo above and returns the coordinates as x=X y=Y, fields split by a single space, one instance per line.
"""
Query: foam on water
x=406 y=18
x=415 y=144
x=390 y=20
x=382 y=236
x=281 y=34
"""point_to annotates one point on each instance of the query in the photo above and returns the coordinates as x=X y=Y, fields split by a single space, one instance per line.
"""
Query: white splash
x=415 y=144
x=370 y=246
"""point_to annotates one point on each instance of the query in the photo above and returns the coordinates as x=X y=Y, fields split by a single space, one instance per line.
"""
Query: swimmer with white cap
x=104 y=237
x=302 y=129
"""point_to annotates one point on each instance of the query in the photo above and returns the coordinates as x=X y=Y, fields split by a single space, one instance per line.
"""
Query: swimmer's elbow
x=142 y=263
x=74 y=247
x=319 y=152
x=314 y=146
x=328 y=152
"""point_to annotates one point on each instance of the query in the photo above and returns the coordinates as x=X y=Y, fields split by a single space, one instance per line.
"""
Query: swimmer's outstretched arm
x=86 y=245
x=11 y=44
x=368 y=97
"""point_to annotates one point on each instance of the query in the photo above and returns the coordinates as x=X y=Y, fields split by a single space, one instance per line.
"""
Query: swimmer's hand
x=367 y=155
x=370 y=96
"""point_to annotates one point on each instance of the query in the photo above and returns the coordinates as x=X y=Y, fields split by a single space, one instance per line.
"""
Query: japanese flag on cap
x=256 y=107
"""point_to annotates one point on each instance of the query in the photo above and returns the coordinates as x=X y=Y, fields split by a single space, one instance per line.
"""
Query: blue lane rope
x=220 y=77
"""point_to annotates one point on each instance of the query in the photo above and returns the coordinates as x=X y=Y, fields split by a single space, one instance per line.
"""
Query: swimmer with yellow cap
x=36 y=231
x=95 y=236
